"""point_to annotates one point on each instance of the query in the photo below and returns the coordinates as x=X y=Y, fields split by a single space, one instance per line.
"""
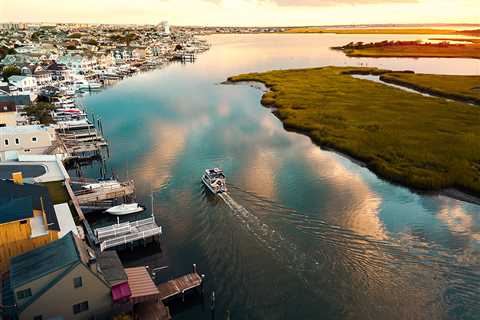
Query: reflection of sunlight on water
x=457 y=220
x=155 y=167
x=352 y=204
x=259 y=175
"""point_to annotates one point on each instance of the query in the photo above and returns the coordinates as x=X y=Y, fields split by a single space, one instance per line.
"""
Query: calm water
x=304 y=233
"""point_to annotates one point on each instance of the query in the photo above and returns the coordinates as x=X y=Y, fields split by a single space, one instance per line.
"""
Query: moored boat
x=102 y=184
x=124 y=209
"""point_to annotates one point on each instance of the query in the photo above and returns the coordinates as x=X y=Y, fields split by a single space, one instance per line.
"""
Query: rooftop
x=141 y=285
x=17 y=78
x=40 y=197
x=22 y=129
x=15 y=209
x=111 y=267
x=41 y=261
x=7 y=106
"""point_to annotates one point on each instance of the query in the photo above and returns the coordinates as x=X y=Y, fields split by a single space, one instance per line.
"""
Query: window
x=17 y=141
x=80 y=307
x=34 y=139
x=27 y=150
x=23 y=221
x=38 y=318
x=6 y=142
x=77 y=282
x=22 y=294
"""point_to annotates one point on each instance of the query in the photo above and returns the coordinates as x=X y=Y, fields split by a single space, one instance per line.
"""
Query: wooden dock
x=125 y=233
x=179 y=285
x=105 y=193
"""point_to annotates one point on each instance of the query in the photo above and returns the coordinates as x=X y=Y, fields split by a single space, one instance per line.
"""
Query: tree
x=75 y=35
x=9 y=71
x=92 y=42
x=129 y=37
x=41 y=111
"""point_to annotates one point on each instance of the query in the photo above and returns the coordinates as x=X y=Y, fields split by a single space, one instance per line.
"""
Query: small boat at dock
x=124 y=209
x=215 y=180
x=102 y=184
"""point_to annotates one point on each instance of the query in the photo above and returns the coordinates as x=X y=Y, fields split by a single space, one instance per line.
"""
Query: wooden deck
x=179 y=286
x=75 y=202
x=105 y=193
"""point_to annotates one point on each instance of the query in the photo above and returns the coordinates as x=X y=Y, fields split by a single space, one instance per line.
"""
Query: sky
x=242 y=12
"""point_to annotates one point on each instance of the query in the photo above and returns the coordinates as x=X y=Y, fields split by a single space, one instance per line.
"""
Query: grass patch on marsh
x=384 y=31
x=465 y=88
x=412 y=49
x=422 y=142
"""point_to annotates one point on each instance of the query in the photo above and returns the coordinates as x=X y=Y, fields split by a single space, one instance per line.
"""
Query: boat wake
x=331 y=250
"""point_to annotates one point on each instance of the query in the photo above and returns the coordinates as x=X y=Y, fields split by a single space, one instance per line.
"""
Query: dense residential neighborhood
x=54 y=263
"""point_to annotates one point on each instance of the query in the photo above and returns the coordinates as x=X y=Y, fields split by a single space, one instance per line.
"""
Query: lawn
x=421 y=142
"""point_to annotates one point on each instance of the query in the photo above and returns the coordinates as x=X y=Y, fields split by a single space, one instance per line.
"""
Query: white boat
x=102 y=184
x=215 y=180
x=124 y=209
x=94 y=85
x=87 y=85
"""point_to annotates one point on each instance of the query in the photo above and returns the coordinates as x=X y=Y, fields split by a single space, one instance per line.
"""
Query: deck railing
x=128 y=238
x=121 y=229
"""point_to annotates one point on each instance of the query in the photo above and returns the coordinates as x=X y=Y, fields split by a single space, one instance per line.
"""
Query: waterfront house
x=60 y=280
x=59 y=72
x=29 y=139
x=138 y=53
x=27 y=218
x=25 y=84
x=43 y=77
x=79 y=64
x=8 y=114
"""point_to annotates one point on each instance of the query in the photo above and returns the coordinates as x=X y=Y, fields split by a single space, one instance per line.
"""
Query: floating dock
x=128 y=232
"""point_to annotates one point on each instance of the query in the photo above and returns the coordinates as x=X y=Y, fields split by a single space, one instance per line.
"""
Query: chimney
x=17 y=177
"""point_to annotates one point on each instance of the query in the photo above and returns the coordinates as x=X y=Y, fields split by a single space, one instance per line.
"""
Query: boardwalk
x=105 y=193
x=127 y=232
x=179 y=285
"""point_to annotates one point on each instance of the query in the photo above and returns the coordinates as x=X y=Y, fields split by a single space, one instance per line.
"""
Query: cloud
x=320 y=3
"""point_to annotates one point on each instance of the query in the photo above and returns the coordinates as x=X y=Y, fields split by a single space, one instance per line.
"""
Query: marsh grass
x=421 y=142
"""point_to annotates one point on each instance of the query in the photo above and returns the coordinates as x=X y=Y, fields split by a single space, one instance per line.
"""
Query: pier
x=179 y=286
x=126 y=233
x=100 y=194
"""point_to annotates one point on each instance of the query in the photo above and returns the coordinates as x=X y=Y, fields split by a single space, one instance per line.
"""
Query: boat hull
x=123 y=211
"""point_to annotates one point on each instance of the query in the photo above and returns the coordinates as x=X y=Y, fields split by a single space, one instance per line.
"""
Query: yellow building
x=27 y=219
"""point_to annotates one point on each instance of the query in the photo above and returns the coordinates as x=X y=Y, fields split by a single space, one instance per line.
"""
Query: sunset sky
x=242 y=12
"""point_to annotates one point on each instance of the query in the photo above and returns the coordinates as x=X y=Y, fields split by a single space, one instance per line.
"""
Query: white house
x=79 y=64
x=43 y=77
x=31 y=139
x=23 y=83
